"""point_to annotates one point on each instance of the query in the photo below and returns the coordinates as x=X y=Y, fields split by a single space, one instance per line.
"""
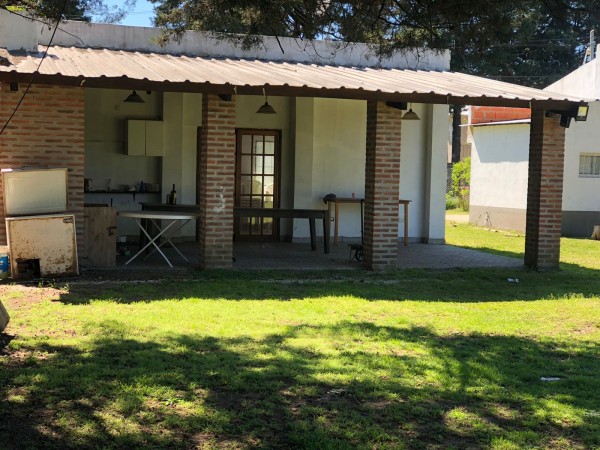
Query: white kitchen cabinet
x=145 y=137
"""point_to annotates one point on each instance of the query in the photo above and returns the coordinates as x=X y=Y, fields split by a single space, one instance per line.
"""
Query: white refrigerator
x=40 y=232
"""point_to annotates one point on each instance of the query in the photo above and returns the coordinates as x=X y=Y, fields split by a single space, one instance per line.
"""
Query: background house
x=500 y=159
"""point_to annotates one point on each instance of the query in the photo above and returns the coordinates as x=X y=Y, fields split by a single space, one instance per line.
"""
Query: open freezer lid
x=29 y=192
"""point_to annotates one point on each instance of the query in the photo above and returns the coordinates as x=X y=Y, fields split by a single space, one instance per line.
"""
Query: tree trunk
x=456 y=109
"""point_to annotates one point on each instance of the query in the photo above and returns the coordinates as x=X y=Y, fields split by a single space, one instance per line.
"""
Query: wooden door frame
x=276 y=177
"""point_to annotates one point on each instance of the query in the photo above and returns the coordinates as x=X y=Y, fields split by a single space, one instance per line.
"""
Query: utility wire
x=45 y=23
x=37 y=70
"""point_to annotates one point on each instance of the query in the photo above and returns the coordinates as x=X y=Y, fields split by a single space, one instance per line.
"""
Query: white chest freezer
x=42 y=246
x=29 y=192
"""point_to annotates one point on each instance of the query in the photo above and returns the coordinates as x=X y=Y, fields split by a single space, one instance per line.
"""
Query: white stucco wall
x=330 y=138
x=83 y=34
x=434 y=175
x=499 y=164
x=579 y=193
x=330 y=158
x=583 y=82
x=323 y=151
x=17 y=32
x=105 y=149
x=182 y=115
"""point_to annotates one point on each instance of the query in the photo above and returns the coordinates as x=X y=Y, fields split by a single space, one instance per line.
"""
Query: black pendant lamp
x=134 y=98
x=410 y=115
x=266 y=108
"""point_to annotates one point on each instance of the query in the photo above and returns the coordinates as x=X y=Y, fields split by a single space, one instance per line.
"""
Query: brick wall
x=47 y=130
x=217 y=181
x=487 y=114
x=382 y=181
x=544 y=192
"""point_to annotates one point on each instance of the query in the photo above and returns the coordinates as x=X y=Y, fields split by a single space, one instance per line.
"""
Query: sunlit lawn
x=412 y=359
x=576 y=254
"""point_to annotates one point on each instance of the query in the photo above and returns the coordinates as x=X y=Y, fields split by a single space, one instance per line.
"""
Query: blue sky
x=141 y=15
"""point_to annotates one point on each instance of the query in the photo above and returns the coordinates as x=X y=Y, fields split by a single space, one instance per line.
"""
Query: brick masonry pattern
x=544 y=192
x=217 y=181
x=47 y=130
x=487 y=114
x=382 y=181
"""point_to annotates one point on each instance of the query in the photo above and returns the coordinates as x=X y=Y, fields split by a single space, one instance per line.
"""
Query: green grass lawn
x=408 y=359
x=457 y=211
x=576 y=254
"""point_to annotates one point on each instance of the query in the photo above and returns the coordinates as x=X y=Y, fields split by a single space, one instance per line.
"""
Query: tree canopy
x=87 y=10
x=530 y=42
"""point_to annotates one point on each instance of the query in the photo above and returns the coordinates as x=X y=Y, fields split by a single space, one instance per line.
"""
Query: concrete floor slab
x=294 y=256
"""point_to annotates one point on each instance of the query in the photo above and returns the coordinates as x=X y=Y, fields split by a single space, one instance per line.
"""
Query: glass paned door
x=257 y=181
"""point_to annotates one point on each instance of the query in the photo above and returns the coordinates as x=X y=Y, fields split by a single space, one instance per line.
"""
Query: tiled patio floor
x=294 y=256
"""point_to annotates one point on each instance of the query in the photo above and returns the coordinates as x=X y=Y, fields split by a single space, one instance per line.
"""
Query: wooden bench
x=279 y=213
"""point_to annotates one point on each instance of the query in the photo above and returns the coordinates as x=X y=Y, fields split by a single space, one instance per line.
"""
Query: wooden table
x=361 y=201
x=279 y=213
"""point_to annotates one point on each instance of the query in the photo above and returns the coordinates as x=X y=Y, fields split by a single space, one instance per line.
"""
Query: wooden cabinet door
x=136 y=137
x=154 y=138
x=100 y=236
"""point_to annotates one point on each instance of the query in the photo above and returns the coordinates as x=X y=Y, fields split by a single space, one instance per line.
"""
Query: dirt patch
x=587 y=328
x=15 y=296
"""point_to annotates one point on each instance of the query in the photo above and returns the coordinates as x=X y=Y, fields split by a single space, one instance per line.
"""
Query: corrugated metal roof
x=99 y=66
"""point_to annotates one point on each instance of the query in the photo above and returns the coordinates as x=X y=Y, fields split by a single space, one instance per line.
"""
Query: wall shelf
x=118 y=191
x=121 y=192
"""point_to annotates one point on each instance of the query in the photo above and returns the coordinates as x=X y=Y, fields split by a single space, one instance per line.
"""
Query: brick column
x=216 y=181
x=544 y=192
x=382 y=186
x=47 y=130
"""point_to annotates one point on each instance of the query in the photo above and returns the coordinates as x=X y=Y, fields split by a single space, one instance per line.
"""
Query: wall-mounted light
x=134 y=98
x=582 y=113
x=266 y=108
x=410 y=115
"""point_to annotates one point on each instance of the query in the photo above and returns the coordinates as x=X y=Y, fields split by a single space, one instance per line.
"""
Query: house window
x=589 y=165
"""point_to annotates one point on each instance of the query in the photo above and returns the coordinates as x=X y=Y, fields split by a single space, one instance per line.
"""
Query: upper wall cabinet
x=145 y=137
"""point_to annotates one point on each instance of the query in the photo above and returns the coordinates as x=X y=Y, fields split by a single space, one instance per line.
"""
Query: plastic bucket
x=3 y=265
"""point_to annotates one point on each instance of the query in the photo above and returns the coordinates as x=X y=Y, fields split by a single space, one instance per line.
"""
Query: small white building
x=500 y=161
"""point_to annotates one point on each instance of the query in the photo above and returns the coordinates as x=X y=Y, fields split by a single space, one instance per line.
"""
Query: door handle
x=110 y=230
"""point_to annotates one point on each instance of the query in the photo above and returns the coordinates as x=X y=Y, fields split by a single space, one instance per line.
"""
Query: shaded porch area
x=298 y=256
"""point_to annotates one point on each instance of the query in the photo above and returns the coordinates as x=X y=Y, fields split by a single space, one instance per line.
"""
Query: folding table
x=174 y=222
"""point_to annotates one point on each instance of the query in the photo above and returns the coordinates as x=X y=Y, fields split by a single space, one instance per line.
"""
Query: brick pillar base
x=48 y=130
x=382 y=186
x=217 y=181
x=544 y=192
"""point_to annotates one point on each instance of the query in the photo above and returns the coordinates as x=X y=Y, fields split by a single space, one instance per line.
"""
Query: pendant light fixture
x=266 y=108
x=134 y=98
x=410 y=114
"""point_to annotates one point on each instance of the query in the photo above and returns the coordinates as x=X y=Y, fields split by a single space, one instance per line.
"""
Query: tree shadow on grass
x=469 y=285
x=4 y=341
x=373 y=386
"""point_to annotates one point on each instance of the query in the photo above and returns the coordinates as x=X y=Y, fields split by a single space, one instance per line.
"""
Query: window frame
x=594 y=165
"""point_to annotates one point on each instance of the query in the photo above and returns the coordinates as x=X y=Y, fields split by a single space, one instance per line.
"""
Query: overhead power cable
x=38 y=68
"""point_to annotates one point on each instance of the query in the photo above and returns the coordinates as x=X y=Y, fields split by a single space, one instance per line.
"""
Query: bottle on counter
x=173 y=196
